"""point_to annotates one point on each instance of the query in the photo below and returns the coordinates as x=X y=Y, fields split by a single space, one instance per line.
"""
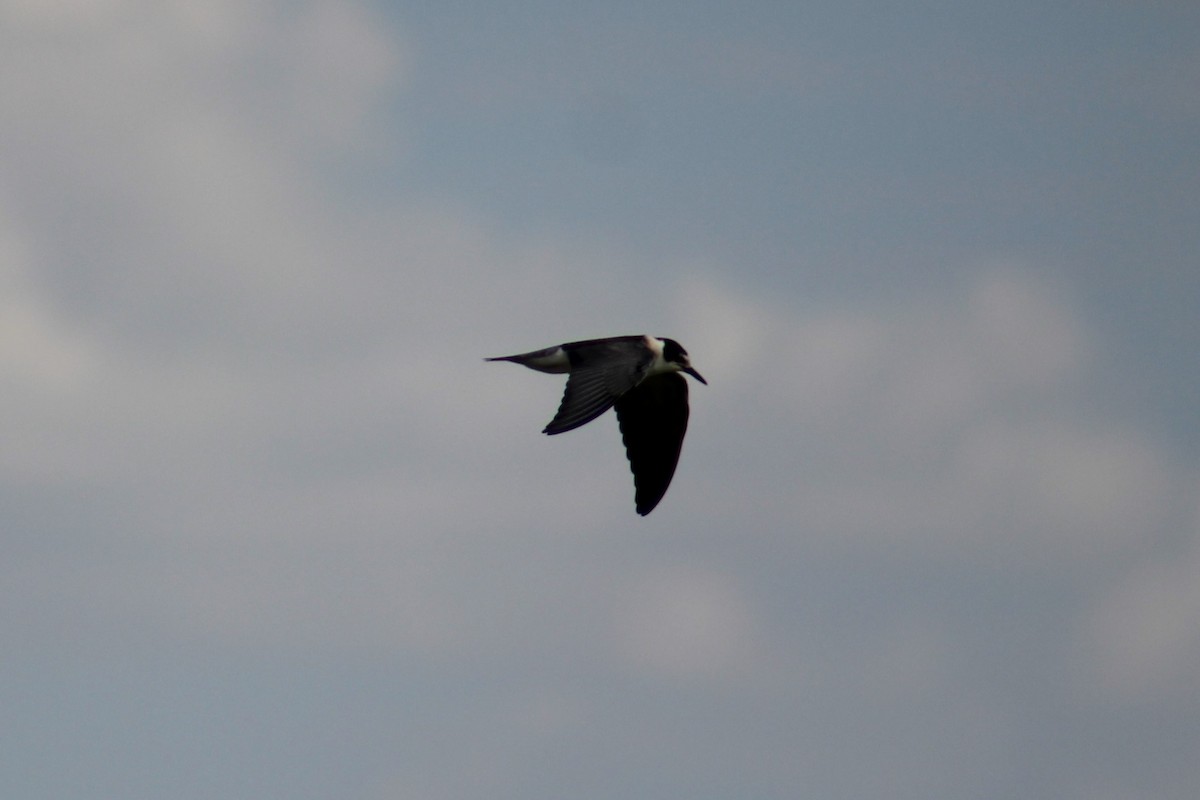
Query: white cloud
x=1068 y=490
x=1142 y=640
x=688 y=622
x=936 y=424
x=39 y=350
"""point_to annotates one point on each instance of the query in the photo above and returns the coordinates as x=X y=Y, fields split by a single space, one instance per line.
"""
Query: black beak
x=695 y=375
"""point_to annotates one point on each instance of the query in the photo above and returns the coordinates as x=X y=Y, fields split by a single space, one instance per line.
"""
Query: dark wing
x=601 y=372
x=653 y=420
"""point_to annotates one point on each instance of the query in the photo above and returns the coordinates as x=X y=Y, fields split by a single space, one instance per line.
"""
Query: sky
x=272 y=528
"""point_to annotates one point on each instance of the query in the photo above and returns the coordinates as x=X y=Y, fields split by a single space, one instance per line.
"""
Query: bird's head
x=676 y=356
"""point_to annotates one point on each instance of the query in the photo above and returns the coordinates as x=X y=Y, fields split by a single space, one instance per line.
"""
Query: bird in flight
x=639 y=375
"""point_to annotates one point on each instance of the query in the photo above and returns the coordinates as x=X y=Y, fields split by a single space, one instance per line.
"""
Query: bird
x=641 y=377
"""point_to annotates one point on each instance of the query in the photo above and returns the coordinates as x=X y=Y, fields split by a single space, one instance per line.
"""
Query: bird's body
x=640 y=376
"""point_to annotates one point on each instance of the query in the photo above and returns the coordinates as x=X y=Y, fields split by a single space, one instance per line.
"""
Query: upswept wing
x=602 y=371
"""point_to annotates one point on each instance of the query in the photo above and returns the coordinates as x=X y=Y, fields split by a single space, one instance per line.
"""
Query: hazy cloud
x=271 y=523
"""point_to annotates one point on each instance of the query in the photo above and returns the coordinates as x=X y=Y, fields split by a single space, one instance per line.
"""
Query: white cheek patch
x=659 y=364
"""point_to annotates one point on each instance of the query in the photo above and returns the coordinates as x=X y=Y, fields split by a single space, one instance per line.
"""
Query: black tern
x=640 y=376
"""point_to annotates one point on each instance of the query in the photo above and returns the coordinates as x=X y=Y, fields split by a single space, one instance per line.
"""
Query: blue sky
x=274 y=530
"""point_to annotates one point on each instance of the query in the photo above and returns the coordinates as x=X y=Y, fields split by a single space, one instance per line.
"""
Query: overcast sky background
x=272 y=529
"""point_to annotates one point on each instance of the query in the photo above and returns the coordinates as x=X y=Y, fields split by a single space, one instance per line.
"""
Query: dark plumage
x=640 y=375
